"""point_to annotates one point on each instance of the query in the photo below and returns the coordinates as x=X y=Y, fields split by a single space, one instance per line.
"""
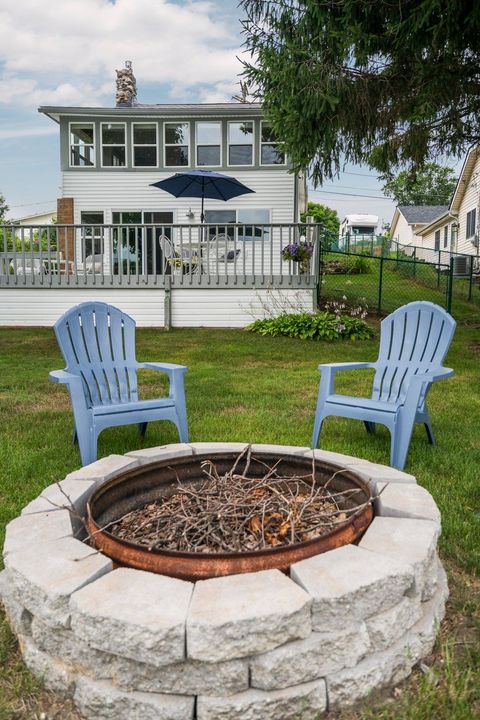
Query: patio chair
x=224 y=252
x=98 y=344
x=413 y=343
x=28 y=266
x=93 y=264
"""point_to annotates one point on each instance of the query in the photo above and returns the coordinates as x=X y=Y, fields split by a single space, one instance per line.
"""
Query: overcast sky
x=65 y=52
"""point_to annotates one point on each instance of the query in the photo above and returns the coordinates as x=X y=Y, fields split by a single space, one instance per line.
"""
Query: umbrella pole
x=202 y=214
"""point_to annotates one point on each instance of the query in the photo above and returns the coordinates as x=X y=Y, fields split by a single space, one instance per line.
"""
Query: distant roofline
x=167 y=109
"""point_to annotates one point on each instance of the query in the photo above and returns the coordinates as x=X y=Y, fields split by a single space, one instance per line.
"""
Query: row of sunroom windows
x=208 y=151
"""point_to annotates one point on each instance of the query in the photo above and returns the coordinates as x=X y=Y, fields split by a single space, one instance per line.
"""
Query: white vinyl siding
x=190 y=308
x=469 y=202
x=131 y=191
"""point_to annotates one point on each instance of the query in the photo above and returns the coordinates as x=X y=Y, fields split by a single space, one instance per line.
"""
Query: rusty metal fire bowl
x=148 y=483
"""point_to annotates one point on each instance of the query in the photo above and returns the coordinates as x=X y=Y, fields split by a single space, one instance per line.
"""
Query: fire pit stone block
x=104 y=469
x=45 y=576
x=320 y=654
x=18 y=616
x=154 y=454
x=63 y=644
x=56 y=675
x=67 y=493
x=236 y=615
x=36 y=529
x=303 y=701
x=409 y=541
x=135 y=614
x=386 y=627
x=101 y=700
x=185 y=678
x=397 y=500
x=349 y=585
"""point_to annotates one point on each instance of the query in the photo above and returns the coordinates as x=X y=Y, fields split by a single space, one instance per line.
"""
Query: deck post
x=167 y=303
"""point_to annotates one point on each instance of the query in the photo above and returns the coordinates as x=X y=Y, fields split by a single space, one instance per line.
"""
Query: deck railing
x=155 y=255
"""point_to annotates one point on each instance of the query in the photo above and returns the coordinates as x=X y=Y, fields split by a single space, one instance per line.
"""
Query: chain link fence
x=383 y=283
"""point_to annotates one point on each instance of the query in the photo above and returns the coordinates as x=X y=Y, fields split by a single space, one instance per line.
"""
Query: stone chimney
x=126 y=86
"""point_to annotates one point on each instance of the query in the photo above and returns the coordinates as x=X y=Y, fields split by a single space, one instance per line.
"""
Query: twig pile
x=234 y=512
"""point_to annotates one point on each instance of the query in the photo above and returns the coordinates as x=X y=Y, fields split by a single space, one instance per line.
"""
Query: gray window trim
x=102 y=145
x=262 y=143
x=254 y=127
x=220 y=144
x=164 y=144
x=134 y=145
x=81 y=122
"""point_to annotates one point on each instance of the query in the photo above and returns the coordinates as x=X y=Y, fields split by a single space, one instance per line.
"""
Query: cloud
x=66 y=51
x=27 y=132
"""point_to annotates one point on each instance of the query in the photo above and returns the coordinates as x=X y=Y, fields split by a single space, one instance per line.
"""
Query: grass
x=402 y=282
x=245 y=387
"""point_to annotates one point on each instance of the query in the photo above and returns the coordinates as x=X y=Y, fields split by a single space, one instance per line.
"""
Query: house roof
x=421 y=214
x=175 y=109
x=437 y=222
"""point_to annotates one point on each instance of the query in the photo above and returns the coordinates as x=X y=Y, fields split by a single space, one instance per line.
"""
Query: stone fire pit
x=127 y=643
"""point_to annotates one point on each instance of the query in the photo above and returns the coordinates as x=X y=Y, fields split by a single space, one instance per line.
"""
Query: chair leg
x=370 y=427
x=401 y=434
x=317 y=429
x=430 y=435
x=75 y=437
x=142 y=429
x=87 y=442
x=181 y=421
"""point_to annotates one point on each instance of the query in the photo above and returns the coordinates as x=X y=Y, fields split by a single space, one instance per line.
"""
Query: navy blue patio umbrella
x=203 y=184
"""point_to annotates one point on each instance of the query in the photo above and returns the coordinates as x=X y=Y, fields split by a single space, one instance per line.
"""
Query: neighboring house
x=409 y=220
x=44 y=218
x=455 y=228
x=465 y=205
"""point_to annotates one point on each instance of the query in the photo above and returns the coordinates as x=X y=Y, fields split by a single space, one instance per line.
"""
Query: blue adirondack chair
x=413 y=343
x=98 y=343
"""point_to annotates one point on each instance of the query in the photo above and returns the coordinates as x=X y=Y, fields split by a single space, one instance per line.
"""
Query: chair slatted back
x=415 y=338
x=98 y=343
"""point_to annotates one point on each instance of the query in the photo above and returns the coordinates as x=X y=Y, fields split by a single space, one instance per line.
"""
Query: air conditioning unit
x=461 y=265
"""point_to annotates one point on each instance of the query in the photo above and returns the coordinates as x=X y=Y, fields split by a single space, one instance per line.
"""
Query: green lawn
x=244 y=387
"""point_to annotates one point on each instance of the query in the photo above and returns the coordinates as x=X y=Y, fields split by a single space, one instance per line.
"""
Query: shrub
x=348 y=265
x=319 y=326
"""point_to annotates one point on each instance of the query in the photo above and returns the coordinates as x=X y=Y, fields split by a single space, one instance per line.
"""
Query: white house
x=409 y=220
x=43 y=218
x=456 y=228
x=110 y=156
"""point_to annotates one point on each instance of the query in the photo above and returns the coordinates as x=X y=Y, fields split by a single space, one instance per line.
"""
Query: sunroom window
x=113 y=145
x=209 y=143
x=144 y=144
x=240 y=143
x=176 y=144
x=271 y=151
x=82 y=145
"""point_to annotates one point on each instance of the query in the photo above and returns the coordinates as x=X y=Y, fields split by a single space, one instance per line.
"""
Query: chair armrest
x=64 y=377
x=168 y=368
x=336 y=367
x=433 y=375
x=175 y=375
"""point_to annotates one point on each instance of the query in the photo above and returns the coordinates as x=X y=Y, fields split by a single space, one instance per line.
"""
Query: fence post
x=319 y=268
x=380 y=283
x=415 y=261
x=470 y=279
x=450 y=287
